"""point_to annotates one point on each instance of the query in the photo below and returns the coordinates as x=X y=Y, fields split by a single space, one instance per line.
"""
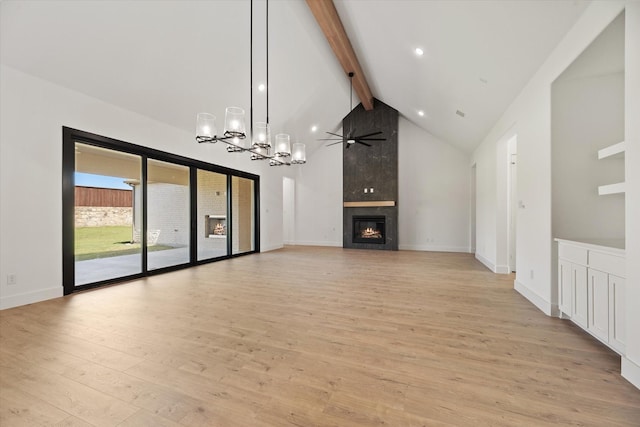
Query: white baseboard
x=319 y=243
x=545 y=306
x=271 y=248
x=502 y=269
x=30 y=297
x=631 y=372
x=433 y=248
x=491 y=266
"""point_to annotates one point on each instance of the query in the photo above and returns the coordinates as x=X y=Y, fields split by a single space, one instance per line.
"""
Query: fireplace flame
x=371 y=233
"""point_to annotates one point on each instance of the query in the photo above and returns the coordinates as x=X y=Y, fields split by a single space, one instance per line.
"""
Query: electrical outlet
x=11 y=279
x=371 y=190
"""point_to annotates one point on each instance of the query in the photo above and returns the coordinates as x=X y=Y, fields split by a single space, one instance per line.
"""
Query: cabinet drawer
x=609 y=263
x=573 y=254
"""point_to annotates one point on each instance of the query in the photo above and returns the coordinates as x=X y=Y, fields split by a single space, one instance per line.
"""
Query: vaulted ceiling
x=172 y=59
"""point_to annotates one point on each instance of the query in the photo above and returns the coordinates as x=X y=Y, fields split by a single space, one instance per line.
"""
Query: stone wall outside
x=98 y=216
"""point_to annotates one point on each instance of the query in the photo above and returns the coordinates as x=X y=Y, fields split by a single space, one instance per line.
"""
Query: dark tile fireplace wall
x=371 y=167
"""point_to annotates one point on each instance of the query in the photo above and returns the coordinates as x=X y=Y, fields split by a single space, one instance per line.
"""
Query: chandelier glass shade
x=261 y=135
x=298 y=156
x=283 y=145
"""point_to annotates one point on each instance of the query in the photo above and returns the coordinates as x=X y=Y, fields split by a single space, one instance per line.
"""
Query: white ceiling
x=172 y=59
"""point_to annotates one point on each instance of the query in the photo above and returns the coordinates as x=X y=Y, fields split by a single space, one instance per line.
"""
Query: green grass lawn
x=103 y=242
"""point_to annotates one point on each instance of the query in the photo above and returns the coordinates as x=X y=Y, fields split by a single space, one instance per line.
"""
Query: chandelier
x=234 y=134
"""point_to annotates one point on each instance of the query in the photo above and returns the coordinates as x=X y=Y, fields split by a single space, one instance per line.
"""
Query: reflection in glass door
x=168 y=222
x=212 y=215
x=243 y=220
x=105 y=204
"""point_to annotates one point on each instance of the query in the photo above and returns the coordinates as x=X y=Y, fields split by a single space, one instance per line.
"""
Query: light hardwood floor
x=308 y=336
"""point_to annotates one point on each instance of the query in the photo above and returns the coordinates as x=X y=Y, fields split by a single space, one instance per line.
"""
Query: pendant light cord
x=251 y=68
x=268 y=87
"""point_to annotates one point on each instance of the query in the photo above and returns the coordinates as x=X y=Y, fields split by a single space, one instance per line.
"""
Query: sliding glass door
x=243 y=219
x=212 y=215
x=130 y=211
x=168 y=215
x=104 y=210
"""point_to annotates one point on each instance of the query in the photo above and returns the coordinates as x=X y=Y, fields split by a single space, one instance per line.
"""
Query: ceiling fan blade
x=335 y=134
x=334 y=143
x=363 y=143
x=369 y=134
x=372 y=139
x=330 y=139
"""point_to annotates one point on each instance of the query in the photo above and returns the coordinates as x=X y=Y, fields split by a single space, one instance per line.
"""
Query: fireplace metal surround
x=369 y=229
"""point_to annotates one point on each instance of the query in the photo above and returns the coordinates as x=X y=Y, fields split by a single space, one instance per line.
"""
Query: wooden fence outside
x=107 y=197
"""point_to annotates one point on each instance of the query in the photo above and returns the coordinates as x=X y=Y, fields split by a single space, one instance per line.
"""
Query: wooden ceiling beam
x=327 y=17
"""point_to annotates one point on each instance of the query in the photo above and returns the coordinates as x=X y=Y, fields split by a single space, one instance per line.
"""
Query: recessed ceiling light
x=419 y=52
x=421 y=113
x=314 y=128
x=261 y=87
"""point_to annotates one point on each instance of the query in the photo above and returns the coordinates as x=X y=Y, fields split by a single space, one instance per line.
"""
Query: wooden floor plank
x=308 y=336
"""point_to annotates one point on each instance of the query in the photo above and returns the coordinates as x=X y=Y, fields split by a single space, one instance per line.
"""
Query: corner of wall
x=630 y=372
x=545 y=306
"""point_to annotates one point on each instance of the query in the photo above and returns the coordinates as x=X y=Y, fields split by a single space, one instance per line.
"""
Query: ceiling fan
x=351 y=137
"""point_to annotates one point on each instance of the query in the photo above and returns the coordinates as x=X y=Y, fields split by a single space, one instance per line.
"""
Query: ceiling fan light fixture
x=351 y=137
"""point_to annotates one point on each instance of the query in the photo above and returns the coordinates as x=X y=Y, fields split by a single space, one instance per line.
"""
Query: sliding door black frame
x=71 y=136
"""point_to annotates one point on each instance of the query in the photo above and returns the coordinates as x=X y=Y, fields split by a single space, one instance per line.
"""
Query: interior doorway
x=288 y=211
x=512 y=200
x=472 y=213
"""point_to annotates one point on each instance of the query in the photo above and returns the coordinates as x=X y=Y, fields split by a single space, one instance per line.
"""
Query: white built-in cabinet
x=591 y=289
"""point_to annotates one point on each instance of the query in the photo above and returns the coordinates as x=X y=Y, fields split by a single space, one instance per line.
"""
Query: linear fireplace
x=369 y=229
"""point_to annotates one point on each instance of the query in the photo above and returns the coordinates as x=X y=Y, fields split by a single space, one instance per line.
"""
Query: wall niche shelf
x=617 y=188
x=612 y=152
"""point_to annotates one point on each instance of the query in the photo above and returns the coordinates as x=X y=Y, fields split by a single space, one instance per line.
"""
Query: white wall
x=32 y=113
x=530 y=117
x=318 y=198
x=434 y=192
x=631 y=361
x=433 y=201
